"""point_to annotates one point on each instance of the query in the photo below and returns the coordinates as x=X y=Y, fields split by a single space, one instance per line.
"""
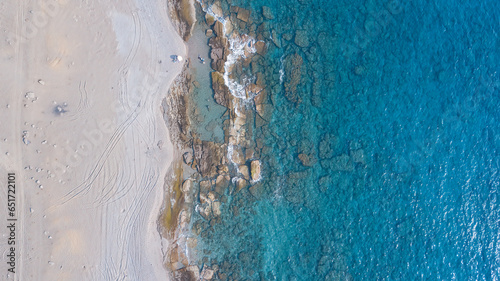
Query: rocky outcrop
x=182 y=14
x=175 y=108
x=208 y=156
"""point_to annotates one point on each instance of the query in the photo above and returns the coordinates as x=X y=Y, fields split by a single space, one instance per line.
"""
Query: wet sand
x=83 y=131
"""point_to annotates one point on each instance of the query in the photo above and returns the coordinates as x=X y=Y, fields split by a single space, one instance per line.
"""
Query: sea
x=381 y=157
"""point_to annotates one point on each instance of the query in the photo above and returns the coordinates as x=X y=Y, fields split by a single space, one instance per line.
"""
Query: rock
x=276 y=39
x=187 y=187
x=307 y=160
x=195 y=271
x=241 y=183
x=327 y=146
x=267 y=13
x=217 y=54
x=188 y=158
x=216 y=208
x=324 y=183
x=209 y=32
x=208 y=156
x=191 y=242
x=243 y=169
x=205 y=186
x=205 y=211
x=237 y=155
x=221 y=92
x=342 y=163
x=293 y=74
x=260 y=47
x=207 y=273
x=217 y=9
x=209 y=19
x=243 y=14
x=255 y=169
x=257 y=190
x=253 y=89
x=221 y=184
x=287 y=36
x=219 y=28
x=301 y=38
x=358 y=156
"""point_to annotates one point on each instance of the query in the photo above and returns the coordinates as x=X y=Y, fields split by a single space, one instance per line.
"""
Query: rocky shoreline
x=207 y=173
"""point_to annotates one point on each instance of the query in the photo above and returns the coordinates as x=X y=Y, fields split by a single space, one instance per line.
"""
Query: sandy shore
x=83 y=131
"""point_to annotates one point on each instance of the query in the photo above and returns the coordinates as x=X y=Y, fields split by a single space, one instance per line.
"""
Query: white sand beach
x=81 y=127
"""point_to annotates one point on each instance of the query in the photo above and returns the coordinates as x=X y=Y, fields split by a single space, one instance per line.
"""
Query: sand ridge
x=84 y=133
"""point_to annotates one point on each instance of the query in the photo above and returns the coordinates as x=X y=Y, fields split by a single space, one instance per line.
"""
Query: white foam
x=282 y=70
x=239 y=47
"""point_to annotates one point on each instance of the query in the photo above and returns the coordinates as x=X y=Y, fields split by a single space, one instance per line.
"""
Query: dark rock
x=260 y=47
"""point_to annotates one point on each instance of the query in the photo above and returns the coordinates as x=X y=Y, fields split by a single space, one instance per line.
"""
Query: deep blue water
x=400 y=113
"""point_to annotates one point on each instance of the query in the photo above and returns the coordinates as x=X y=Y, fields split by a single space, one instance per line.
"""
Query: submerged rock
x=293 y=64
x=307 y=160
x=267 y=13
x=301 y=38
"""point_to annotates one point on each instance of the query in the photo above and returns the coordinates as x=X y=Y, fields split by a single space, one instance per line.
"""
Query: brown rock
x=260 y=47
x=216 y=208
x=307 y=160
x=209 y=19
x=254 y=89
x=255 y=170
x=208 y=156
x=237 y=156
x=221 y=93
x=243 y=14
x=205 y=186
x=209 y=32
x=216 y=54
x=243 y=169
x=219 y=29
x=221 y=184
x=241 y=183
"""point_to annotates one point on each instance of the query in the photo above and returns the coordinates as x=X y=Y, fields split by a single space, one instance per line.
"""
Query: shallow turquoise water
x=400 y=112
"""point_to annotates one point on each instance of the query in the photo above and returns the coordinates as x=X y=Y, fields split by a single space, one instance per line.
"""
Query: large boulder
x=243 y=14
x=255 y=170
